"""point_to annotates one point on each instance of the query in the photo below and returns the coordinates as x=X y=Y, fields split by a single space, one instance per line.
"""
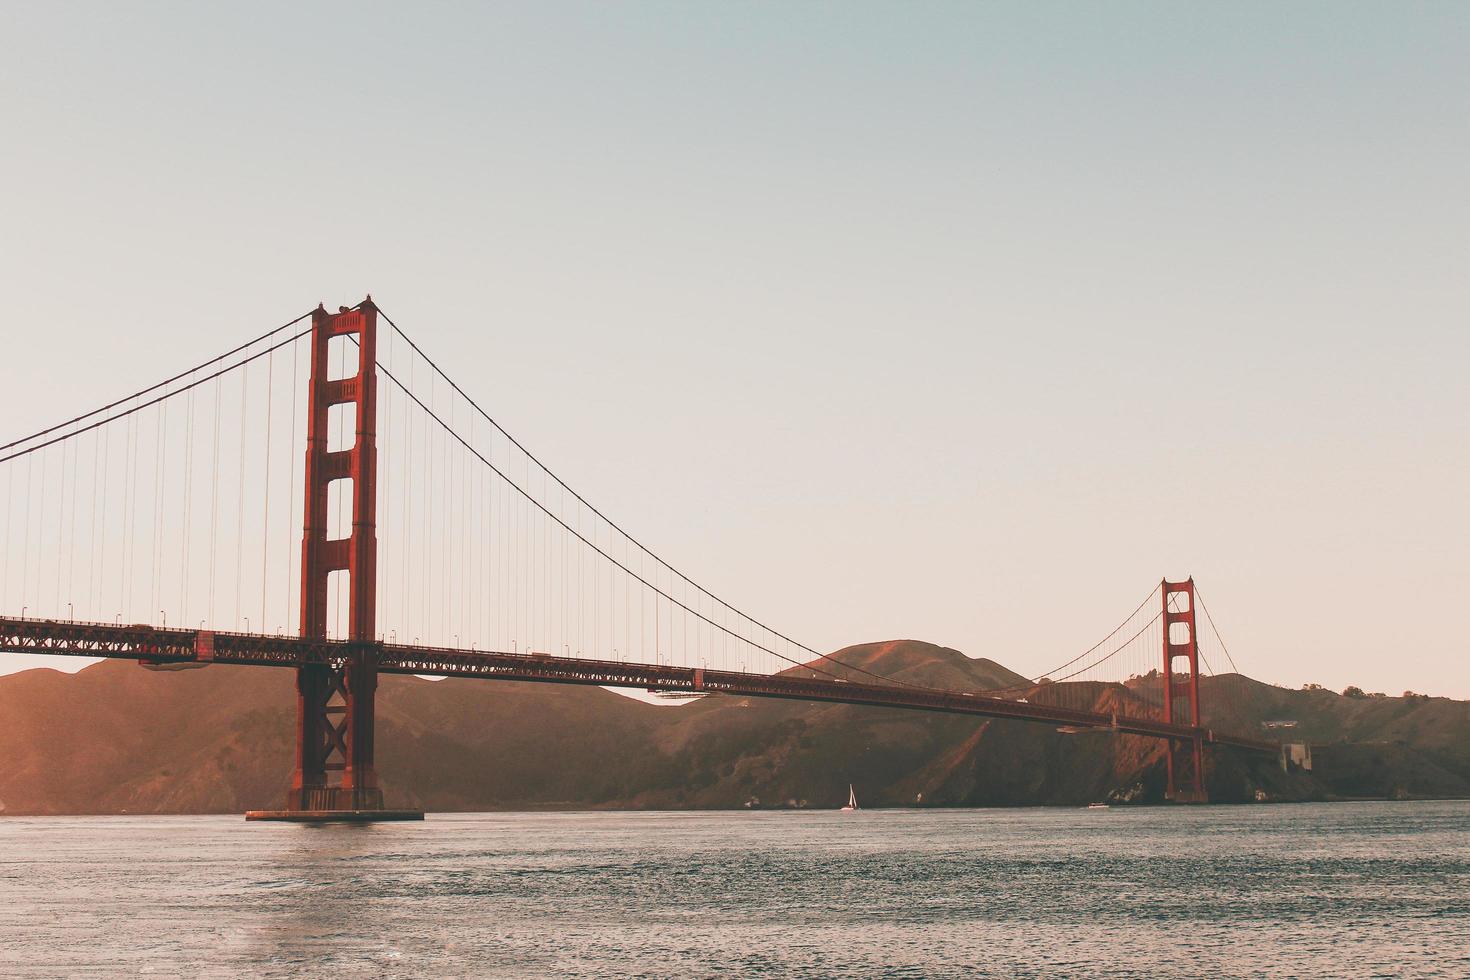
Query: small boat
x=851 y=801
x=1097 y=806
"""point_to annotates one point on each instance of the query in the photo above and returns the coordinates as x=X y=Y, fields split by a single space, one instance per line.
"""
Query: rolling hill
x=114 y=737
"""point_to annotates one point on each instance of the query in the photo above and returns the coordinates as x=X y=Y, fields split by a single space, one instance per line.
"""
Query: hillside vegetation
x=117 y=738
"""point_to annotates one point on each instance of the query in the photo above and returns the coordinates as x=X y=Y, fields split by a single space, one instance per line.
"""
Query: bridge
x=183 y=501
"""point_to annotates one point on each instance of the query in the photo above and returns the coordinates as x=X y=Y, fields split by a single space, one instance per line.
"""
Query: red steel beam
x=163 y=647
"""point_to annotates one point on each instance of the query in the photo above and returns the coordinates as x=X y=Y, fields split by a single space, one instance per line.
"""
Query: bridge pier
x=335 y=778
x=1186 y=769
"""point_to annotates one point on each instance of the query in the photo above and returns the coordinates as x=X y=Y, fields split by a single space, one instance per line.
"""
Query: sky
x=958 y=322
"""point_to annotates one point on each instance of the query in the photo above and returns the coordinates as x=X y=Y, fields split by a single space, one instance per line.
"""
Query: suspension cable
x=142 y=405
x=1031 y=682
x=1116 y=630
x=1211 y=620
x=617 y=527
x=1119 y=649
x=151 y=388
x=530 y=498
x=685 y=578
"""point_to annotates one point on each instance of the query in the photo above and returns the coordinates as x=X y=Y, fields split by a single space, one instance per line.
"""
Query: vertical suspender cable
x=5 y=554
x=386 y=471
x=408 y=472
x=240 y=504
x=214 y=500
x=135 y=421
x=103 y=509
x=126 y=545
x=60 y=526
x=41 y=527
x=291 y=477
x=158 y=487
x=188 y=507
x=265 y=514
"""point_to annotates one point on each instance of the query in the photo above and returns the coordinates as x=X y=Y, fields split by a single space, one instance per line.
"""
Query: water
x=1347 y=890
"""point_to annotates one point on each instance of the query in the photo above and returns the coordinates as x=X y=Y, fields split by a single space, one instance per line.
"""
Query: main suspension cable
x=151 y=388
x=1211 y=620
x=1032 y=682
x=1119 y=649
x=142 y=405
x=617 y=527
x=530 y=498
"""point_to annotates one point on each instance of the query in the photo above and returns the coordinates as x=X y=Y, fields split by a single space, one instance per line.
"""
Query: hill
x=114 y=737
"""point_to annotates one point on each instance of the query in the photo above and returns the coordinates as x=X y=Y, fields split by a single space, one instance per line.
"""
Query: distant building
x=1297 y=754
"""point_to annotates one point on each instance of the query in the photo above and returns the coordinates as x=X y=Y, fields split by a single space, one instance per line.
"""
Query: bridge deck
x=184 y=647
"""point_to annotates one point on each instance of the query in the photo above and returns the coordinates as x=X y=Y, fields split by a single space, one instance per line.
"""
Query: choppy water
x=1379 y=889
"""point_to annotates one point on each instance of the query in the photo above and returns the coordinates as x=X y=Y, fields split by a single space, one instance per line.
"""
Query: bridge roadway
x=181 y=648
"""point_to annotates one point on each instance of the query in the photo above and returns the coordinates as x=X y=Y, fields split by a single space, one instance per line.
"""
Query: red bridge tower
x=1186 y=760
x=334 y=778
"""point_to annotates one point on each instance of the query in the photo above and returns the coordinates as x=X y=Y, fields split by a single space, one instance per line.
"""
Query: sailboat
x=851 y=801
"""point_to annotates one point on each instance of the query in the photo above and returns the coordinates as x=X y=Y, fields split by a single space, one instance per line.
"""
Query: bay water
x=1310 y=890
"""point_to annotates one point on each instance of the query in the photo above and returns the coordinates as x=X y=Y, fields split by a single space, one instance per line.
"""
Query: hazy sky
x=957 y=322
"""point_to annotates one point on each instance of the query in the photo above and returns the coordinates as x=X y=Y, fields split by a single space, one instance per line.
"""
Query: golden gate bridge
x=315 y=500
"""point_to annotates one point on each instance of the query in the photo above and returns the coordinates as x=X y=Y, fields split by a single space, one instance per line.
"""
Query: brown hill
x=1368 y=746
x=916 y=662
x=114 y=737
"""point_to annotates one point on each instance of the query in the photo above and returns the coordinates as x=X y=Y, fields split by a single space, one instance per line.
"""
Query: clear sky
x=965 y=322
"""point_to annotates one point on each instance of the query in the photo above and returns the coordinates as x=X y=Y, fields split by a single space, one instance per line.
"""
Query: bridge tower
x=334 y=777
x=1185 y=760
